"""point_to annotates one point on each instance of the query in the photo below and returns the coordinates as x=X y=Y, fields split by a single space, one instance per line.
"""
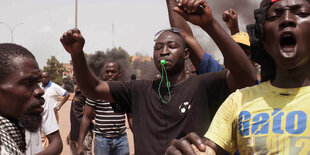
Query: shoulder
x=220 y=75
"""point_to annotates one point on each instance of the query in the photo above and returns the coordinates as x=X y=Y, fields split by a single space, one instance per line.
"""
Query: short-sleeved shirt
x=208 y=64
x=107 y=122
x=264 y=119
x=192 y=105
x=52 y=91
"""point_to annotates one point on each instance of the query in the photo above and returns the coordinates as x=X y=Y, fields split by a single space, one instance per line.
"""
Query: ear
x=120 y=74
x=186 y=53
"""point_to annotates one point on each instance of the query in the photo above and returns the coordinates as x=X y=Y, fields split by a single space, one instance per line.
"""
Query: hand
x=73 y=41
x=57 y=108
x=80 y=150
x=186 y=8
x=230 y=17
x=68 y=139
x=183 y=145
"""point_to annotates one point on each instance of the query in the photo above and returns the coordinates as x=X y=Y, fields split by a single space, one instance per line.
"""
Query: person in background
x=76 y=115
x=110 y=129
x=51 y=93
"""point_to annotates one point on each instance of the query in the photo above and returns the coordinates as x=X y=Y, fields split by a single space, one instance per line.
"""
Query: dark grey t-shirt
x=192 y=106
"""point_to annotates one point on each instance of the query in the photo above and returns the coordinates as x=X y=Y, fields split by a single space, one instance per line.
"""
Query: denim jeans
x=111 y=146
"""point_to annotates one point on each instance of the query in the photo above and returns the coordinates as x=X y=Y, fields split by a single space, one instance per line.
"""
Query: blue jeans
x=111 y=146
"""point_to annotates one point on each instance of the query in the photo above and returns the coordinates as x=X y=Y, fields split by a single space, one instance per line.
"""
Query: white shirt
x=52 y=91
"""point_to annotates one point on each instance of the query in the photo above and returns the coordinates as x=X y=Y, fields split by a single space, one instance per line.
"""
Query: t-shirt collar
x=48 y=85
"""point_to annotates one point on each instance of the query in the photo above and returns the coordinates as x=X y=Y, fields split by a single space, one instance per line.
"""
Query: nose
x=110 y=74
x=165 y=51
x=288 y=19
x=38 y=92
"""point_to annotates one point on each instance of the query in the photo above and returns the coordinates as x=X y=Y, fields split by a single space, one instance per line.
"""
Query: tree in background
x=55 y=70
x=96 y=61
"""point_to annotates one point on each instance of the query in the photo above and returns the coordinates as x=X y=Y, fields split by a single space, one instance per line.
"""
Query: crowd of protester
x=256 y=103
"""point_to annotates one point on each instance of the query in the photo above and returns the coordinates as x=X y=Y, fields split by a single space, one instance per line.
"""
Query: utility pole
x=76 y=13
x=113 y=34
x=11 y=29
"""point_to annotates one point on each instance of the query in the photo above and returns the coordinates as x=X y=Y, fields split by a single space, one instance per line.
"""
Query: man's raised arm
x=91 y=87
x=241 y=72
x=197 y=54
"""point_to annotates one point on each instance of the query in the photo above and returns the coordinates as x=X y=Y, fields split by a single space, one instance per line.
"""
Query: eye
x=303 y=14
x=158 y=46
x=273 y=15
x=31 y=82
x=173 y=45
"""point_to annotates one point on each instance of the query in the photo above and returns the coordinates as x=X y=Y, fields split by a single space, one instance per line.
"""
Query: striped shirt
x=107 y=122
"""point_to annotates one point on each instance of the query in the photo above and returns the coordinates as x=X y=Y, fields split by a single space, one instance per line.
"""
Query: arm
x=197 y=54
x=184 y=145
x=230 y=17
x=129 y=119
x=241 y=72
x=63 y=101
x=87 y=117
x=91 y=87
x=55 y=144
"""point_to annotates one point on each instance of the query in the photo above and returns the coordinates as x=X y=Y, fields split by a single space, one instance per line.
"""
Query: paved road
x=64 y=125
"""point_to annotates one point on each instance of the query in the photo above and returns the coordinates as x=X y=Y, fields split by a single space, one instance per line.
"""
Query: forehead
x=167 y=36
x=25 y=66
x=111 y=65
x=44 y=74
x=289 y=4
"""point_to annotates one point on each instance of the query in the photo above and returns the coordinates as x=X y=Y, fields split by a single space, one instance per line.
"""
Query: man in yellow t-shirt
x=270 y=118
x=264 y=119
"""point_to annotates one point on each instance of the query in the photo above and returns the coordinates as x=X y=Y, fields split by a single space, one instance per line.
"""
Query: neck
x=292 y=78
x=45 y=84
x=177 y=78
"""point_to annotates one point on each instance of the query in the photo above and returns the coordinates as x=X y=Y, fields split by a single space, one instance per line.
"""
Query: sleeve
x=208 y=64
x=121 y=93
x=49 y=122
x=90 y=102
x=60 y=91
x=217 y=89
x=222 y=130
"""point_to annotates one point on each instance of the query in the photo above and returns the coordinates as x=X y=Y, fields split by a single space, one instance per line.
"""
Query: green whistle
x=163 y=62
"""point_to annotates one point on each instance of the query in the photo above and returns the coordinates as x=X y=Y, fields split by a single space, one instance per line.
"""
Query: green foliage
x=55 y=70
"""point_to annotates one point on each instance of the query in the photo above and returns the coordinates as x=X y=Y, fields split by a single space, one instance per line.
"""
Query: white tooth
x=288 y=49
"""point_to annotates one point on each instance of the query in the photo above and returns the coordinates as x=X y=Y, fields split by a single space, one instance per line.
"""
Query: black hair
x=110 y=61
x=256 y=34
x=8 y=51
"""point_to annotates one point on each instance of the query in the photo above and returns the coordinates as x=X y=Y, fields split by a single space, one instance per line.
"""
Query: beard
x=30 y=122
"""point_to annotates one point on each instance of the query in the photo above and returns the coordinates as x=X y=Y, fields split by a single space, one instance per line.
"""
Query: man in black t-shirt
x=161 y=110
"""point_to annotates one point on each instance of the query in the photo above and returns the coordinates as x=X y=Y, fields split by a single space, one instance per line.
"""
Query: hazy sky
x=44 y=21
x=135 y=23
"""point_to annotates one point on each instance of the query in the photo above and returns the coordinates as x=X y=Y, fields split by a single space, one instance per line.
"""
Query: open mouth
x=288 y=43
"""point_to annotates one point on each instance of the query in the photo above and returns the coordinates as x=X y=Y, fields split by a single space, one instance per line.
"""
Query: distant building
x=69 y=68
